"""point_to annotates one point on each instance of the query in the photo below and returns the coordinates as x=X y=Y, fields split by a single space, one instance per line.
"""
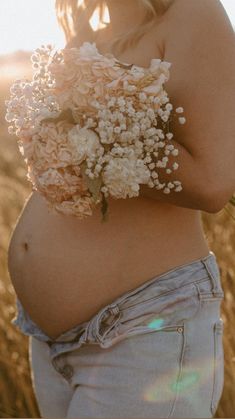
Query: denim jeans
x=154 y=352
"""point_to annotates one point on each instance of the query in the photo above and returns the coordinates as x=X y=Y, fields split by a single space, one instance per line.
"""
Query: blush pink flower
x=90 y=124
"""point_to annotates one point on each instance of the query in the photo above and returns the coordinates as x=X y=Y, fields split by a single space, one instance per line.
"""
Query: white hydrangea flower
x=85 y=107
x=155 y=64
x=122 y=176
x=89 y=51
x=84 y=143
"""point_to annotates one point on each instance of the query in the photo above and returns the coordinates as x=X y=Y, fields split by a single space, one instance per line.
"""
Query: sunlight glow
x=27 y=24
x=80 y=3
x=97 y=21
x=229 y=6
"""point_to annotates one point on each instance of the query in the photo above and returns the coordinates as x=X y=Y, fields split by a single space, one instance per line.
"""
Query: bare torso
x=64 y=269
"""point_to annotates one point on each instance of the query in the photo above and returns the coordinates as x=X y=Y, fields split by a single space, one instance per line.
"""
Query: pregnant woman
x=124 y=315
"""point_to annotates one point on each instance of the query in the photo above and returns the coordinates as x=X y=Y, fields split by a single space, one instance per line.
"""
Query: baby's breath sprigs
x=90 y=127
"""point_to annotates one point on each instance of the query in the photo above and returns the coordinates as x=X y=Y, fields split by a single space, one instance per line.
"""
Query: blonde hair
x=74 y=15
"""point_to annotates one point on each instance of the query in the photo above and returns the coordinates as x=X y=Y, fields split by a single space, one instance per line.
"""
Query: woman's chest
x=140 y=53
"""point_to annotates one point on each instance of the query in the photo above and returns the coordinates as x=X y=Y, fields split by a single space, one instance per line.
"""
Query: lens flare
x=156 y=323
x=190 y=382
x=99 y=20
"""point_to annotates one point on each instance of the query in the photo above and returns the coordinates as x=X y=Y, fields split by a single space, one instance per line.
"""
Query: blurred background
x=24 y=26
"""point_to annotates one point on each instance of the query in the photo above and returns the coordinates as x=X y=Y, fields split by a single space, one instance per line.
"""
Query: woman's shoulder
x=191 y=14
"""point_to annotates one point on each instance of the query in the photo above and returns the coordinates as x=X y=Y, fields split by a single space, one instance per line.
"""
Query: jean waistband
x=170 y=280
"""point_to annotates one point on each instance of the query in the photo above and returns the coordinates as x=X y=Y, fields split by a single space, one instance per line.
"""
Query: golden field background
x=16 y=395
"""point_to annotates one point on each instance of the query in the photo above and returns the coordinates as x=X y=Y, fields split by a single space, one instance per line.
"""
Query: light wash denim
x=154 y=352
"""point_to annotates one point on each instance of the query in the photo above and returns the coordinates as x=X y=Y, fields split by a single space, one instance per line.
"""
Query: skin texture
x=200 y=44
x=71 y=268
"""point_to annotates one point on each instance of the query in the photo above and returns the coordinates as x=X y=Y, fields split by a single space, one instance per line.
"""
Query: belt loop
x=207 y=262
x=115 y=309
x=56 y=361
x=110 y=321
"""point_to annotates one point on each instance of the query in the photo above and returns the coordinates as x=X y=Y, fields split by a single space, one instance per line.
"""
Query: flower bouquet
x=90 y=127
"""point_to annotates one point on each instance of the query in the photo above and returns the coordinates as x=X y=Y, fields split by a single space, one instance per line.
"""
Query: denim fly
x=144 y=309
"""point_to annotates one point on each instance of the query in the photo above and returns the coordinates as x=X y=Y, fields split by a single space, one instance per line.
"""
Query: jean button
x=180 y=329
x=67 y=371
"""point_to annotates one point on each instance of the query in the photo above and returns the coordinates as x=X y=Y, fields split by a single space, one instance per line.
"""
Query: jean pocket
x=218 y=377
x=167 y=349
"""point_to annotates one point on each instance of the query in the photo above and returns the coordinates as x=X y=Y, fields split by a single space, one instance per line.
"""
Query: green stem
x=232 y=200
x=104 y=209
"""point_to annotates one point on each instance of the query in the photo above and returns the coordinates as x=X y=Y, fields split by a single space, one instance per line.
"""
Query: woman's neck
x=124 y=15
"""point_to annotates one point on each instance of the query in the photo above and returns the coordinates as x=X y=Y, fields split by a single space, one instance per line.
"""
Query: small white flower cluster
x=90 y=127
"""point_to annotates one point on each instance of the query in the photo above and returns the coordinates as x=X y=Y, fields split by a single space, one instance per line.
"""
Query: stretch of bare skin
x=65 y=269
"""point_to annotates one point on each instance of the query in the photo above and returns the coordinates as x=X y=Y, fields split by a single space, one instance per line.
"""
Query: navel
x=25 y=246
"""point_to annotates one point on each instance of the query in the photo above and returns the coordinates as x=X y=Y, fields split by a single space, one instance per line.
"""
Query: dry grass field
x=16 y=395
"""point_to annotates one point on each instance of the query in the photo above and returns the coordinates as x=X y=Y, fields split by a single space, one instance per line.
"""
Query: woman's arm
x=200 y=44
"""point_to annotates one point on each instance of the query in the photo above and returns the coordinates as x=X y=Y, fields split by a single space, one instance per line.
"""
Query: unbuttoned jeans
x=154 y=352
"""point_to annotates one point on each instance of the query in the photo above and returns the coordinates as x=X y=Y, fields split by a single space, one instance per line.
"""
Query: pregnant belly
x=64 y=269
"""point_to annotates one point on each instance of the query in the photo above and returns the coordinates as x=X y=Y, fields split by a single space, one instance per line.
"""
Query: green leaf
x=66 y=115
x=232 y=200
x=94 y=185
x=104 y=209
